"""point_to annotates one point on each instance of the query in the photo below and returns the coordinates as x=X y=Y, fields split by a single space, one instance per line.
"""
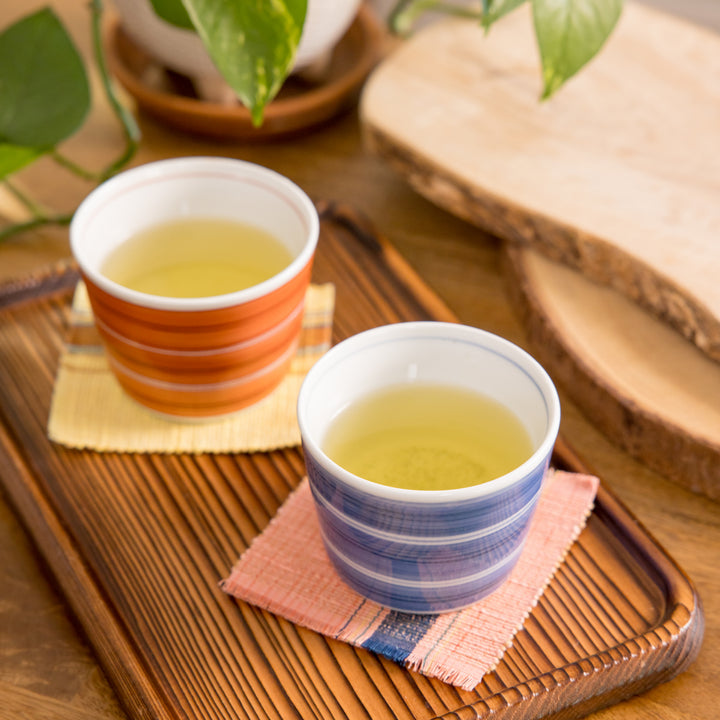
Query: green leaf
x=173 y=12
x=44 y=92
x=251 y=42
x=493 y=10
x=15 y=157
x=570 y=33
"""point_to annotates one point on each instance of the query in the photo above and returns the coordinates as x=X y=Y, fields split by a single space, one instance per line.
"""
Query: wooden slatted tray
x=138 y=543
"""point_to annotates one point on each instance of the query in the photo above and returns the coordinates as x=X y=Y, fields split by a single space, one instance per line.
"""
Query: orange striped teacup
x=194 y=357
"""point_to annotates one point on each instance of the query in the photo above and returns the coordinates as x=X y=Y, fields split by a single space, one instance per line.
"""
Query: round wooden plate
x=647 y=388
x=300 y=106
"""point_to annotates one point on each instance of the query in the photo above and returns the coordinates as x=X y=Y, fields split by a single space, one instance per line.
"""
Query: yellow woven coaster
x=89 y=409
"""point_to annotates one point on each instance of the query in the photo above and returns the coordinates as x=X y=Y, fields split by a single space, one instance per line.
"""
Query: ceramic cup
x=413 y=550
x=207 y=356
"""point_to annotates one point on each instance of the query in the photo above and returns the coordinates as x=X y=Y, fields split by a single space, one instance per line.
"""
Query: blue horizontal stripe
x=422 y=519
x=372 y=534
x=433 y=599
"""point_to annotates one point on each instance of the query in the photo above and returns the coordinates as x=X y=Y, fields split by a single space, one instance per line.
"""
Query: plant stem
x=34 y=209
x=60 y=219
x=38 y=216
x=131 y=131
x=126 y=119
x=406 y=12
x=73 y=167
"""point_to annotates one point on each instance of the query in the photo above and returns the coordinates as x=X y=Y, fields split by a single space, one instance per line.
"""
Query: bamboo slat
x=138 y=543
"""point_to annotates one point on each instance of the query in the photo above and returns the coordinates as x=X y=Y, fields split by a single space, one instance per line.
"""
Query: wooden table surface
x=47 y=670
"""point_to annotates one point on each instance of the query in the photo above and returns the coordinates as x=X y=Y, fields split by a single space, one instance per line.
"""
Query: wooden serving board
x=618 y=174
x=138 y=543
x=617 y=177
x=652 y=392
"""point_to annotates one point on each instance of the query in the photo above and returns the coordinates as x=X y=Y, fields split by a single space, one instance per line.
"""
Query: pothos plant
x=45 y=98
x=569 y=33
x=253 y=43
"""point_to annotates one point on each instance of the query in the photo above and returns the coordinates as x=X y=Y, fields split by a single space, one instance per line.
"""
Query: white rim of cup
x=242 y=169
x=520 y=356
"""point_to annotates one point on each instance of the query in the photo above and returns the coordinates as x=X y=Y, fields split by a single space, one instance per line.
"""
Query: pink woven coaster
x=287 y=572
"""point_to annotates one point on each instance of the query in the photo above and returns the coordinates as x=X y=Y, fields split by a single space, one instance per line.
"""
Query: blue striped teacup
x=423 y=551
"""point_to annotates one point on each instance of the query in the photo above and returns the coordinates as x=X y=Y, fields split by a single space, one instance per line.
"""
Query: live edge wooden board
x=617 y=176
x=138 y=543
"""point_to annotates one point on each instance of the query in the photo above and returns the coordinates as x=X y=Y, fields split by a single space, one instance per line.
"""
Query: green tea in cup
x=425 y=436
x=196 y=257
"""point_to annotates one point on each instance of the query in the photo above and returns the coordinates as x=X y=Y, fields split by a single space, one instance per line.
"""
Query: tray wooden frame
x=138 y=543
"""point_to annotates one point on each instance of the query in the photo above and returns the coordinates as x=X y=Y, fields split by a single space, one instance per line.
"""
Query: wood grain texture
x=646 y=387
x=138 y=544
x=618 y=175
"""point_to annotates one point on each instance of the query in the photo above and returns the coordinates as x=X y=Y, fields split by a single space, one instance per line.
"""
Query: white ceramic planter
x=182 y=51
